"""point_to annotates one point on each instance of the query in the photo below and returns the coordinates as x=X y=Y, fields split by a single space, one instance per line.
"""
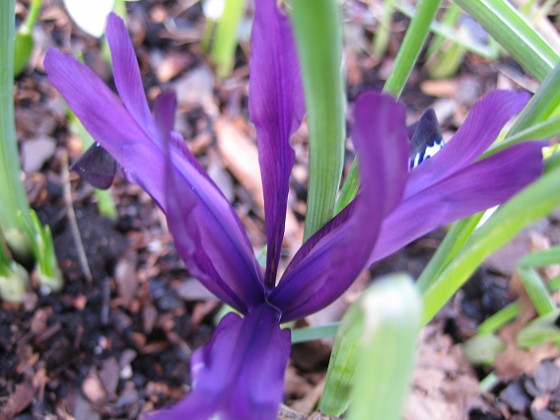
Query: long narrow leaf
x=514 y=33
x=412 y=46
x=457 y=236
x=223 y=50
x=318 y=32
x=446 y=31
x=374 y=350
x=12 y=195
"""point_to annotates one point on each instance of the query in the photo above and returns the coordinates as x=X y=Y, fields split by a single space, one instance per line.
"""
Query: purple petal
x=225 y=262
x=481 y=128
x=165 y=107
x=107 y=120
x=96 y=166
x=208 y=237
x=127 y=73
x=239 y=374
x=328 y=269
x=478 y=187
x=276 y=106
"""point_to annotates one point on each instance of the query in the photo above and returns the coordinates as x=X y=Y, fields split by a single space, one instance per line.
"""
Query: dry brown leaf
x=440 y=88
x=295 y=384
x=310 y=399
x=171 y=65
x=18 y=401
x=240 y=155
x=445 y=387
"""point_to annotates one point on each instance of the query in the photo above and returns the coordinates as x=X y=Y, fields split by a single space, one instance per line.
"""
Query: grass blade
x=318 y=33
x=514 y=33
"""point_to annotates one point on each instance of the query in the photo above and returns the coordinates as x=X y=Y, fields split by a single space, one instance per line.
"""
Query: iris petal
x=127 y=73
x=477 y=187
x=481 y=128
x=107 y=120
x=276 y=107
x=224 y=259
x=330 y=267
x=204 y=227
x=239 y=373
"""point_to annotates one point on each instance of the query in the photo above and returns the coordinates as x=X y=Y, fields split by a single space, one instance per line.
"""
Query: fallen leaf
x=445 y=387
x=18 y=401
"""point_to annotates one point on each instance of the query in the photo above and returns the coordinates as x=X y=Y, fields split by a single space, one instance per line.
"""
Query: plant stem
x=12 y=194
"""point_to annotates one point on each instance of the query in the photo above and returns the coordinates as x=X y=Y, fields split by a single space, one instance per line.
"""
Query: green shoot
x=406 y=59
x=225 y=43
x=489 y=51
x=318 y=33
x=514 y=33
x=319 y=332
x=412 y=46
x=49 y=274
x=383 y=32
x=14 y=280
x=12 y=194
x=376 y=339
x=542 y=330
x=23 y=43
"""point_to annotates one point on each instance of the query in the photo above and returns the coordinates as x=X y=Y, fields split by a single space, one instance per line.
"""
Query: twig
x=82 y=258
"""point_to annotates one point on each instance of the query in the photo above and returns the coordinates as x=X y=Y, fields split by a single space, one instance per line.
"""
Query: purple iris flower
x=239 y=373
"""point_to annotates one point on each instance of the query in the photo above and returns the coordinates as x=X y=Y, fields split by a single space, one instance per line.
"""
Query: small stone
x=514 y=395
x=36 y=152
x=547 y=376
x=93 y=389
x=543 y=415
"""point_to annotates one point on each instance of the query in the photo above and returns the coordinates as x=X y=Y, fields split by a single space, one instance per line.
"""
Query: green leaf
x=536 y=290
x=318 y=32
x=225 y=43
x=23 y=47
x=446 y=31
x=12 y=194
x=457 y=236
x=319 y=332
x=542 y=330
x=542 y=105
x=483 y=349
x=411 y=47
x=514 y=33
x=499 y=319
x=383 y=33
x=373 y=352
x=23 y=44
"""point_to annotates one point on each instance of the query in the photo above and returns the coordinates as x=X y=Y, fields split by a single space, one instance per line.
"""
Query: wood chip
x=440 y=88
x=93 y=388
x=18 y=401
x=240 y=155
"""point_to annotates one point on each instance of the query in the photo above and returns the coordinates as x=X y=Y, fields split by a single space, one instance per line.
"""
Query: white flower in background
x=90 y=15
x=213 y=9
